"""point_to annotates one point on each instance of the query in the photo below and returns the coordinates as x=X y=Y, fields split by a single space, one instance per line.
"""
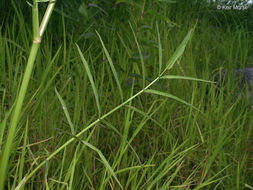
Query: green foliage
x=83 y=125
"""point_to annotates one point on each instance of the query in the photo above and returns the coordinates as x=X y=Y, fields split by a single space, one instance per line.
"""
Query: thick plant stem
x=16 y=113
x=37 y=32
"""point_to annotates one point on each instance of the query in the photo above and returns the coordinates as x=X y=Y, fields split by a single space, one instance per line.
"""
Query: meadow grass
x=82 y=126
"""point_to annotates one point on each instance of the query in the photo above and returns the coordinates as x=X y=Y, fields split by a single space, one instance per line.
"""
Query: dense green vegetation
x=127 y=134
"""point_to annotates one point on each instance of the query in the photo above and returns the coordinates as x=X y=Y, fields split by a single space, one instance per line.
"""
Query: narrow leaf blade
x=141 y=56
x=111 y=65
x=65 y=110
x=86 y=66
x=185 y=78
x=179 y=51
x=105 y=162
x=156 y=92
x=160 y=49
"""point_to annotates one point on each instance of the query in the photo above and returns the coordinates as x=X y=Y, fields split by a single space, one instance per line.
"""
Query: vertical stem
x=37 y=35
x=16 y=113
x=35 y=20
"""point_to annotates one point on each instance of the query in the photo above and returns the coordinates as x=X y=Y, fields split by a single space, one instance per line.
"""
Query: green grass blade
x=212 y=179
x=134 y=168
x=147 y=117
x=160 y=49
x=65 y=109
x=141 y=56
x=248 y=186
x=71 y=170
x=111 y=65
x=173 y=159
x=168 y=165
x=42 y=1
x=184 y=78
x=174 y=174
x=179 y=51
x=90 y=78
x=46 y=17
x=105 y=162
x=3 y=125
x=22 y=159
x=156 y=92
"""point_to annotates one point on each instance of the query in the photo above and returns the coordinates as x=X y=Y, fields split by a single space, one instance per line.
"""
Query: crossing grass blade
x=148 y=116
x=167 y=165
x=90 y=78
x=65 y=109
x=105 y=162
x=111 y=65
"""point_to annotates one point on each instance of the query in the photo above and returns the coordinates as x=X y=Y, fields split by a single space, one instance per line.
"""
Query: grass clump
x=83 y=126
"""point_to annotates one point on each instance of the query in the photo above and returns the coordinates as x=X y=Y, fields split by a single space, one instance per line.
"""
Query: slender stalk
x=37 y=34
x=16 y=113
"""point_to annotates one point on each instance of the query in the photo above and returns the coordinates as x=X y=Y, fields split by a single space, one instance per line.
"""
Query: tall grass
x=84 y=126
x=37 y=35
